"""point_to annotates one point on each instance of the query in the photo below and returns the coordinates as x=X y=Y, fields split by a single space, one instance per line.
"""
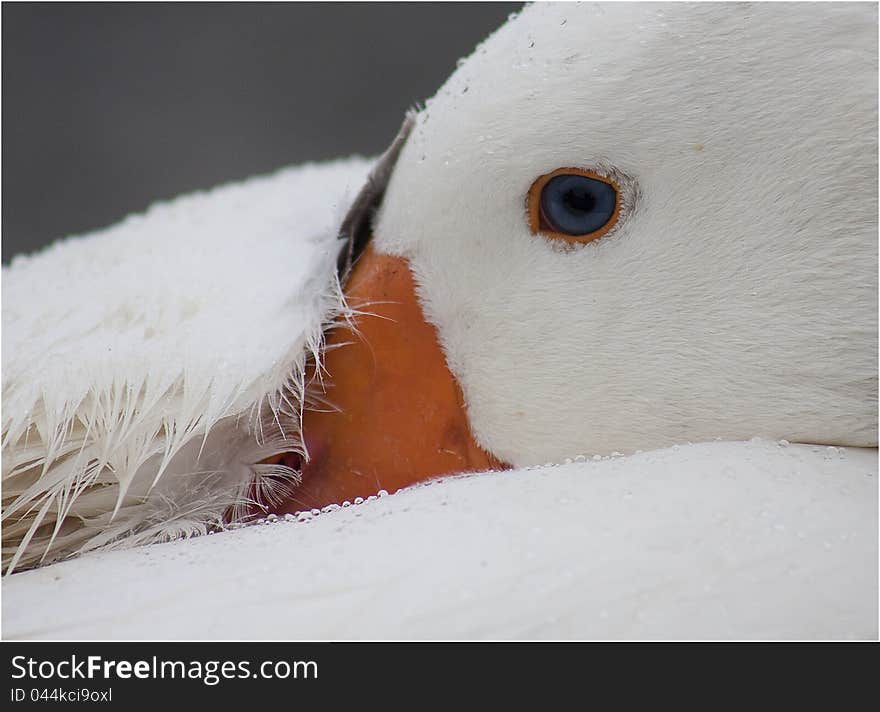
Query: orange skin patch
x=533 y=206
x=399 y=414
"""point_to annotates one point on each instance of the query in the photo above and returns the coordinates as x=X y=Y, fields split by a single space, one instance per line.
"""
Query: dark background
x=108 y=108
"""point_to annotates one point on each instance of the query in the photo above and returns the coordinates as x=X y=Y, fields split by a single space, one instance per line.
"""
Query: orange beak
x=398 y=414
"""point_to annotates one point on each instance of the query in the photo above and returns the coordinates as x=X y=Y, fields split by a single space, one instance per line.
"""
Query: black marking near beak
x=356 y=228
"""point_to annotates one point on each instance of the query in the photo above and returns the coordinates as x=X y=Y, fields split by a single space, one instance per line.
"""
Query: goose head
x=615 y=227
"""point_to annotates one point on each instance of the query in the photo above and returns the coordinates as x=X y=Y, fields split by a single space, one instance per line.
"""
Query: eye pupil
x=579 y=200
x=575 y=204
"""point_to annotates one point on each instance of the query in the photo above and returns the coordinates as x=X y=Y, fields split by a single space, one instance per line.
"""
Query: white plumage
x=737 y=298
x=715 y=540
x=148 y=367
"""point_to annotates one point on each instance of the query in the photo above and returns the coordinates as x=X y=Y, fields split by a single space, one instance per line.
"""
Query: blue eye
x=576 y=205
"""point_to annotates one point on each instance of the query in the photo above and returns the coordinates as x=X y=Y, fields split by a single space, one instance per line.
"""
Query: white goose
x=614 y=228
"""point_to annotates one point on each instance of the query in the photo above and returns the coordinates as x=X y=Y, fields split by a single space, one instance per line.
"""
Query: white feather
x=148 y=367
x=738 y=297
x=714 y=540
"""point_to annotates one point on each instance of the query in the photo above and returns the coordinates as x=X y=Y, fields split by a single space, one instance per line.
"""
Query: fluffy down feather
x=148 y=367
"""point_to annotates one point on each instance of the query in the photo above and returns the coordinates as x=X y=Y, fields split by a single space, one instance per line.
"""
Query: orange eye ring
x=538 y=223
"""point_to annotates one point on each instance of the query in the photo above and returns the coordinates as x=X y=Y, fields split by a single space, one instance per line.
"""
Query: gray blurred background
x=108 y=108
